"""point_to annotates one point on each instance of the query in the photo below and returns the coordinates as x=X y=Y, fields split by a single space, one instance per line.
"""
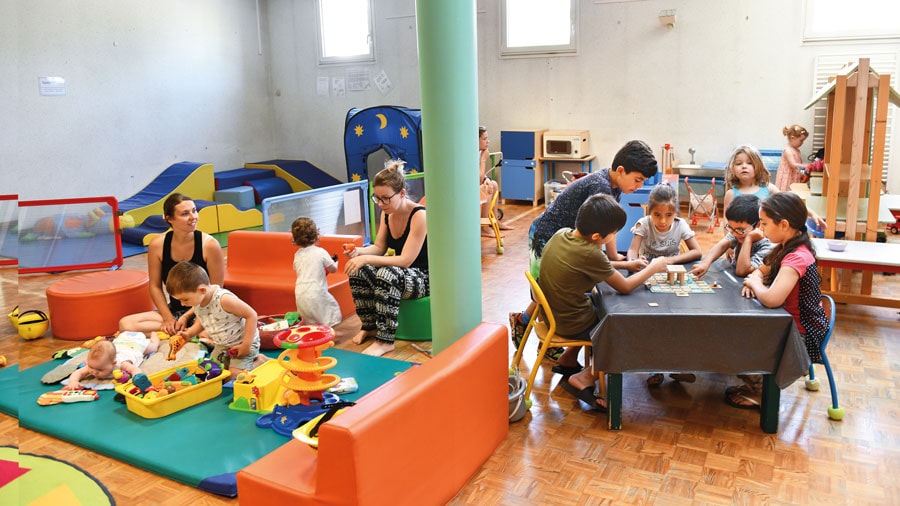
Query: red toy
x=704 y=206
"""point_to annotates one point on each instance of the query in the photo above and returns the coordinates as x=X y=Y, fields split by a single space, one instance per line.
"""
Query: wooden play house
x=856 y=123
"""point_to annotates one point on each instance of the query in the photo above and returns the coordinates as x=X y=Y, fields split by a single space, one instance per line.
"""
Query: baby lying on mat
x=125 y=352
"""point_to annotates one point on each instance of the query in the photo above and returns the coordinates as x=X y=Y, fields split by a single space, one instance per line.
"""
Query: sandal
x=684 y=377
x=742 y=397
x=655 y=379
x=553 y=353
x=567 y=370
x=585 y=395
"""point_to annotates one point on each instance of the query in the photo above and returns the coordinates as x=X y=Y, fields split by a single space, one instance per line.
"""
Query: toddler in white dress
x=311 y=263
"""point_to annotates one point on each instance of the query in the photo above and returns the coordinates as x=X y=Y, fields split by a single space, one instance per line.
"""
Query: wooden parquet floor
x=681 y=444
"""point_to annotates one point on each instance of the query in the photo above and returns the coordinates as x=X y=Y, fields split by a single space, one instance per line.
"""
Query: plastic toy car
x=895 y=226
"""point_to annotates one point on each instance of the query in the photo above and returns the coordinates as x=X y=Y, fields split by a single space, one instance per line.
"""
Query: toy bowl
x=837 y=245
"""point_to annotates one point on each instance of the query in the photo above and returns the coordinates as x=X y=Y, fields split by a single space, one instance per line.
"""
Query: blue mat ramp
x=236 y=177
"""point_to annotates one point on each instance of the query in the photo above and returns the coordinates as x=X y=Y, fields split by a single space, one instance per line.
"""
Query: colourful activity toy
x=121 y=376
x=303 y=381
x=67 y=396
x=163 y=393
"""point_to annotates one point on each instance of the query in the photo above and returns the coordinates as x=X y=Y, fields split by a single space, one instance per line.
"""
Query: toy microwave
x=567 y=144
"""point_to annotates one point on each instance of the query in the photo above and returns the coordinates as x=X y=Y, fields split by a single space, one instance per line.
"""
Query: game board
x=659 y=284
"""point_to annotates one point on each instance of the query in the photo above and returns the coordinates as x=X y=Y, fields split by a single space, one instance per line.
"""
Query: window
x=346 y=32
x=538 y=27
x=842 y=20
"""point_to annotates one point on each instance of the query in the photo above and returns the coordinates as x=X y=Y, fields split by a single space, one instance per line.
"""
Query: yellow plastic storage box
x=168 y=404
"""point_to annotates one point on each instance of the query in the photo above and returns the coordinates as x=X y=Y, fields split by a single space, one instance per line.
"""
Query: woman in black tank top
x=379 y=280
x=182 y=242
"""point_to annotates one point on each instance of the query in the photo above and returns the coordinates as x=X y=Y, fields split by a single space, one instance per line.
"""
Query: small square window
x=345 y=32
x=538 y=27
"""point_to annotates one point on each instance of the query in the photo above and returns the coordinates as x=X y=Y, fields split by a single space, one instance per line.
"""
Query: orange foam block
x=92 y=304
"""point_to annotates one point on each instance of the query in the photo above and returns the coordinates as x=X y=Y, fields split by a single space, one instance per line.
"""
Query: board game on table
x=659 y=283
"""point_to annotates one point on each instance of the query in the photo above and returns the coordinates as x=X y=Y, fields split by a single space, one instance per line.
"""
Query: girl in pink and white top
x=788 y=278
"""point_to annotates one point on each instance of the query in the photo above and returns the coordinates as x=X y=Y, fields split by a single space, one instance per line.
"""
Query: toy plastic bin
x=168 y=404
x=551 y=190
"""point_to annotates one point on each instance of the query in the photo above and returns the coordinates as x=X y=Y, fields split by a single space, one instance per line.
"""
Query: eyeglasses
x=739 y=231
x=383 y=200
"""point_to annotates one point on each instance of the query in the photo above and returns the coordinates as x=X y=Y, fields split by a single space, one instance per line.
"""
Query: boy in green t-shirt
x=573 y=263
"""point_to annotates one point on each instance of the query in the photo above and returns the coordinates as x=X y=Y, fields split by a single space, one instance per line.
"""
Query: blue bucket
x=813 y=229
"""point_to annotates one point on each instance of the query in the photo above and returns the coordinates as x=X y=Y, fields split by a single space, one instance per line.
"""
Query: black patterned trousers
x=377 y=292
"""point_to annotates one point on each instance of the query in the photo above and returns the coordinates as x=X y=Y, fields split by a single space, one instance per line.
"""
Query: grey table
x=721 y=332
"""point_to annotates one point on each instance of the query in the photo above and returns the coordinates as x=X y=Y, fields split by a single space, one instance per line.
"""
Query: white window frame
x=321 y=28
x=571 y=48
x=836 y=20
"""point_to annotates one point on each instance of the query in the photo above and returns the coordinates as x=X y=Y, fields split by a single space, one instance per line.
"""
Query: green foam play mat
x=202 y=446
x=9 y=390
x=37 y=479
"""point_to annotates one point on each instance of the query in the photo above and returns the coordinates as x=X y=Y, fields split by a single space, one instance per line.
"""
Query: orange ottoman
x=92 y=304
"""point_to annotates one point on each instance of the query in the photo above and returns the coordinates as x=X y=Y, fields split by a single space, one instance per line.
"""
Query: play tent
x=396 y=129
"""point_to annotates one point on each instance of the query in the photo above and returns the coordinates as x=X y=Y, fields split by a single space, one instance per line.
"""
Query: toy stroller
x=703 y=206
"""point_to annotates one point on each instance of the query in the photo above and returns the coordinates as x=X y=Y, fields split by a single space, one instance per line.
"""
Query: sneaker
x=554 y=352
x=516 y=328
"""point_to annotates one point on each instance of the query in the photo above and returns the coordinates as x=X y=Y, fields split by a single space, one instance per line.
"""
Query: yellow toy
x=32 y=324
x=14 y=317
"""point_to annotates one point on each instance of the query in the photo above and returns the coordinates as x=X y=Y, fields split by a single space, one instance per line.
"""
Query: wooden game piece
x=674 y=271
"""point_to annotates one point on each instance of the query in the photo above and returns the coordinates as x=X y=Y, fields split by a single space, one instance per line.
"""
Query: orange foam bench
x=436 y=424
x=260 y=270
x=91 y=305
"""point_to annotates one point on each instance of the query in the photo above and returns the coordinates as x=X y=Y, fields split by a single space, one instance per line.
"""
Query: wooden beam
x=857 y=145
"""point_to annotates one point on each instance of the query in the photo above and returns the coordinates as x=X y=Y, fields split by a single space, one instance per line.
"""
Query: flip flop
x=585 y=395
x=655 y=379
x=567 y=370
x=684 y=377
x=740 y=398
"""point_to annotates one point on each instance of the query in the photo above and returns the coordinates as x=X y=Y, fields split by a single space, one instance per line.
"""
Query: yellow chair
x=544 y=324
x=491 y=220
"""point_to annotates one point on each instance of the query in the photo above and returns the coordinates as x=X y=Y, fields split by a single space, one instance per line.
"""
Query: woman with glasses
x=395 y=267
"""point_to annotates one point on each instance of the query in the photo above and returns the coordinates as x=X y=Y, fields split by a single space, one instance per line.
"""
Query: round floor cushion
x=90 y=305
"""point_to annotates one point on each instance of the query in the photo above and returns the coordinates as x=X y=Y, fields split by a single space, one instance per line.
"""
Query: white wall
x=152 y=83
x=148 y=84
x=311 y=127
x=729 y=73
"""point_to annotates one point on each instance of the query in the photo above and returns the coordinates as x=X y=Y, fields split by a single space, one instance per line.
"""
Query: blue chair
x=835 y=412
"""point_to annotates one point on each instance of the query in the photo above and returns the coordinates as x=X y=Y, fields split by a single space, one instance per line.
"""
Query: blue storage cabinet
x=633 y=203
x=522 y=173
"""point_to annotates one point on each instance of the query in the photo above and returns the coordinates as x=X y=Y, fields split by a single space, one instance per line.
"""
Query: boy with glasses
x=740 y=230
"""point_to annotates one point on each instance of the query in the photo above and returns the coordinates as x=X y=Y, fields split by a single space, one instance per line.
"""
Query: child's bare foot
x=362 y=336
x=259 y=360
x=379 y=348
